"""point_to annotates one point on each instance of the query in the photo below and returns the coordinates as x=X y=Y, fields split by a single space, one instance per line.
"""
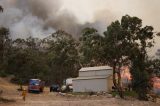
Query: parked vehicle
x=36 y=85
x=54 y=88
x=67 y=86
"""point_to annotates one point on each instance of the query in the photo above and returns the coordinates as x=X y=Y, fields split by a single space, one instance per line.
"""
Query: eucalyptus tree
x=116 y=49
x=5 y=44
x=126 y=43
x=5 y=47
x=27 y=60
x=62 y=56
x=91 y=47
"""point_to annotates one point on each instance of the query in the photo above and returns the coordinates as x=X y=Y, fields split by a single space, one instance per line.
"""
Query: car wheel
x=50 y=89
x=29 y=91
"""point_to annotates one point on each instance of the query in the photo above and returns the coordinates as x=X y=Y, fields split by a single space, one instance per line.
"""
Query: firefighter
x=24 y=93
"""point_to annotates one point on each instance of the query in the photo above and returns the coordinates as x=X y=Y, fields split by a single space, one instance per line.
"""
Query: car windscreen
x=34 y=82
x=55 y=86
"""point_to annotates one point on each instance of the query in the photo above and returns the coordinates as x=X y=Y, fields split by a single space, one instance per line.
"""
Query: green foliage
x=3 y=73
x=116 y=49
x=52 y=60
x=155 y=66
x=5 y=44
x=116 y=45
x=63 y=56
x=91 y=47
x=140 y=38
x=131 y=94
x=126 y=43
x=27 y=61
x=140 y=81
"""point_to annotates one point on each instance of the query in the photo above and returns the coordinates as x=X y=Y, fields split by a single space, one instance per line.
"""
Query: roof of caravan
x=35 y=79
x=88 y=78
x=95 y=68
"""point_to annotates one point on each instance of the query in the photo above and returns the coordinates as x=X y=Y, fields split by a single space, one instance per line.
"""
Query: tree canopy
x=91 y=47
x=126 y=43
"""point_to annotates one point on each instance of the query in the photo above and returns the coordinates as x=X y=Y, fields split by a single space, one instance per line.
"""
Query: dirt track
x=54 y=99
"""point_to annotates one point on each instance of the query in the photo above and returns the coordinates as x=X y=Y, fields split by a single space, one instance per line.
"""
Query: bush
x=3 y=73
x=131 y=94
x=126 y=93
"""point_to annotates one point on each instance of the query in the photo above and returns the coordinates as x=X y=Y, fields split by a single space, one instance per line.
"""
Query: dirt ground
x=54 y=99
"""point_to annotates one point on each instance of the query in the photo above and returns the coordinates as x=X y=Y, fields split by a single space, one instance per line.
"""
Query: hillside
x=5 y=84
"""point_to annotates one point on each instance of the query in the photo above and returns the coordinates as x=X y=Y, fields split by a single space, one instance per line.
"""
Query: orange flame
x=125 y=73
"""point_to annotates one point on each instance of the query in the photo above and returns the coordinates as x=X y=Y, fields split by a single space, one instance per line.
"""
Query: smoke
x=102 y=18
x=36 y=18
x=39 y=18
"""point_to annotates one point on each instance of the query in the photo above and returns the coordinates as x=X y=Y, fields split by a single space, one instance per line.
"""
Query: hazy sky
x=42 y=17
x=147 y=10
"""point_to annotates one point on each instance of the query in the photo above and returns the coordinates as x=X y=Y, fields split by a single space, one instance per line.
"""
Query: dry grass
x=55 y=99
x=3 y=100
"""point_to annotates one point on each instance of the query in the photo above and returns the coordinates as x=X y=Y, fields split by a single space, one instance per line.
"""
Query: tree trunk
x=114 y=77
x=120 y=90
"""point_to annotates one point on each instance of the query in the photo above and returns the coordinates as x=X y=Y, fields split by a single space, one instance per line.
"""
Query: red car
x=35 y=85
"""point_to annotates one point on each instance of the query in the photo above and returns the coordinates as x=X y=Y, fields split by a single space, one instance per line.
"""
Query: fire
x=125 y=73
x=156 y=82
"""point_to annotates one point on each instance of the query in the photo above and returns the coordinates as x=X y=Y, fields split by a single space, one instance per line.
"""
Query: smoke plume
x=39 y=18
x=35 y=18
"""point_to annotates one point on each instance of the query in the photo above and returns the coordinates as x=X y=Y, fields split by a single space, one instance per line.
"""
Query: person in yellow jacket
x=24 y=93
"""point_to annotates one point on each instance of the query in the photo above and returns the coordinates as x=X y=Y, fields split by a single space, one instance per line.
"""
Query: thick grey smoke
x=36 y=18
x=21 y=22
x=39 y=18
